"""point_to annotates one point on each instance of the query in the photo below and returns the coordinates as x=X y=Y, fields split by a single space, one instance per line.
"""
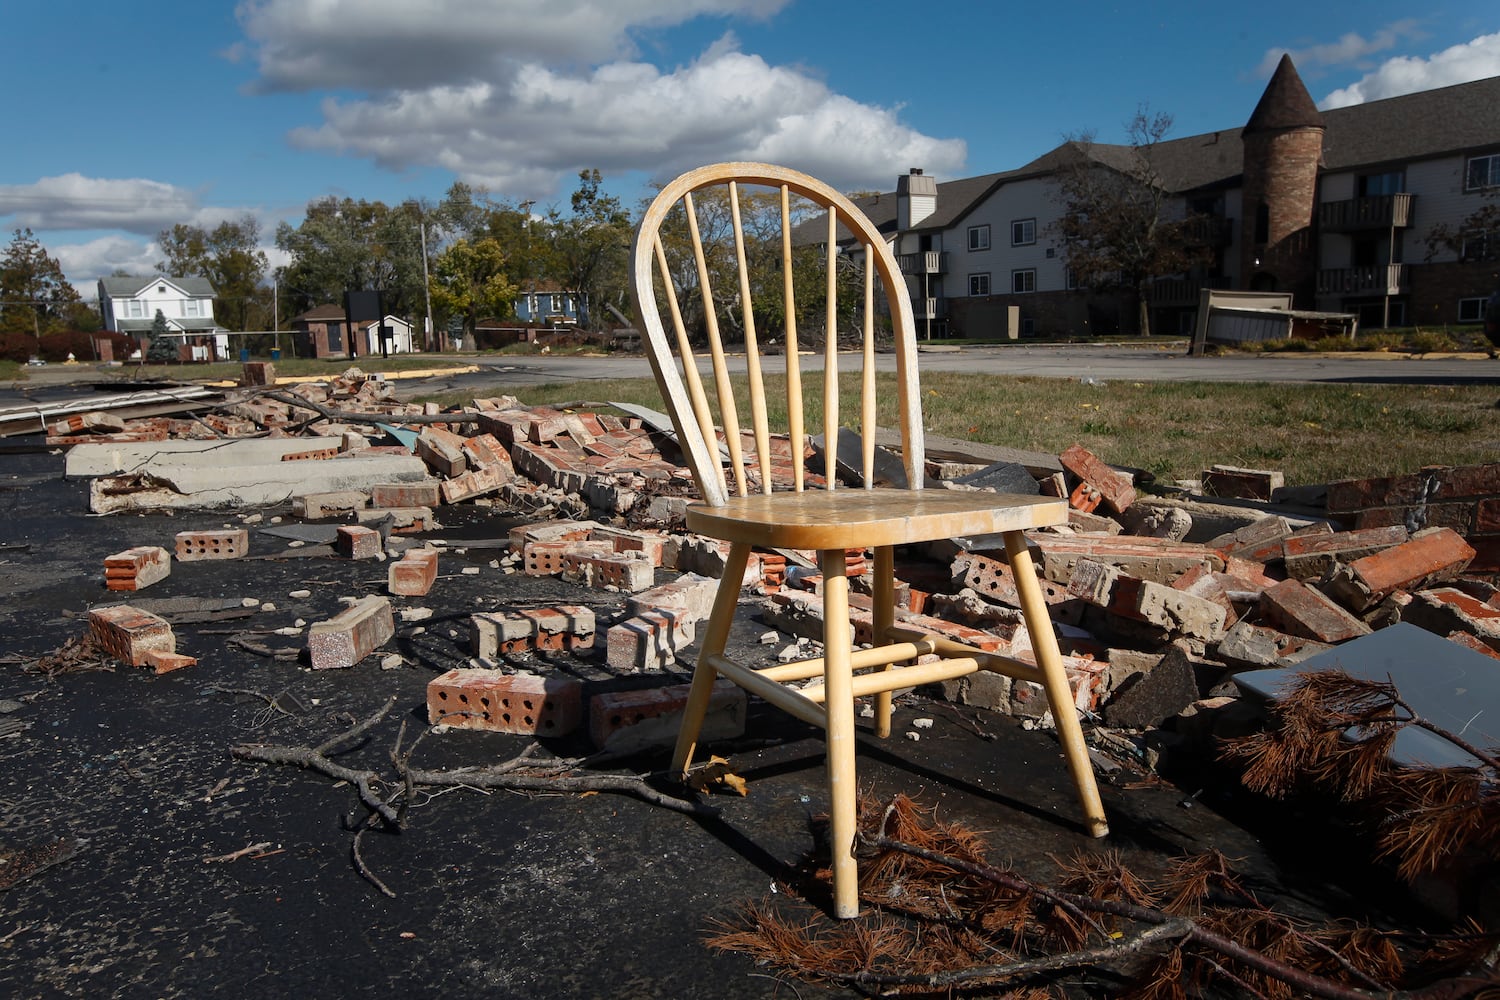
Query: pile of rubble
x=1159 y=601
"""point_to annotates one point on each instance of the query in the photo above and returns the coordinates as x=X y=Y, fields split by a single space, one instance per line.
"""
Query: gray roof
x=180 y=324
x=1423 y=125
x=118 y=288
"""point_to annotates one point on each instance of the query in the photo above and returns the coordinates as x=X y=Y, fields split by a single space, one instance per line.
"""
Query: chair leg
x=715 y=638
x=884 y=617
x=1055 y=681
x=839 y=704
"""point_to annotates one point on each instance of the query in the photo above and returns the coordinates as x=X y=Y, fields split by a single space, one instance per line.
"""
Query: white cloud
x=1472 y=60
x=1350 y=50
x=85 y=263
x=523 y=135
x=377 y=45
x=135 y=205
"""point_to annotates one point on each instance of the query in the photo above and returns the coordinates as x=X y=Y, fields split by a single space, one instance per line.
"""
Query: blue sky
x=127 y=118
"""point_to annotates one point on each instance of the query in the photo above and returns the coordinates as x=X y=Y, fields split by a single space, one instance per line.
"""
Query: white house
x=400 y=342
x=130 y=305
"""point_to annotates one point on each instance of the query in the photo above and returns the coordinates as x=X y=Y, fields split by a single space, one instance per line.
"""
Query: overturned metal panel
x=33 y=418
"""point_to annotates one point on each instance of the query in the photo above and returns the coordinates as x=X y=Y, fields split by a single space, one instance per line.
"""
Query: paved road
x=1103 y=363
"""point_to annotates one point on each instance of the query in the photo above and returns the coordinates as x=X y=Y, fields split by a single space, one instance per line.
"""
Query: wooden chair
x=829 y=520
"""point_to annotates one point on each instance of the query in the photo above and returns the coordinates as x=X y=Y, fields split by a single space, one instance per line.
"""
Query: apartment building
x=1334 y=206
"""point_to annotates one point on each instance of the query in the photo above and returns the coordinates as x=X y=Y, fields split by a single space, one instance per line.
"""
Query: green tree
x=1116 y=231
x=469 y=281
x=590 y=248
x=162 y=348
x=229 y=256
x=35 y=297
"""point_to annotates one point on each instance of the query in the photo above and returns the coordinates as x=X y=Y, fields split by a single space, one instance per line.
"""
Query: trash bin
x=275 y=354
x=244 y=354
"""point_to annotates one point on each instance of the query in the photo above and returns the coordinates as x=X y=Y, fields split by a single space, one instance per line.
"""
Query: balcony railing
x=1209 y=230
x=926 y=262
x=928 y=308
x=1379 y=279
x=1380 y=211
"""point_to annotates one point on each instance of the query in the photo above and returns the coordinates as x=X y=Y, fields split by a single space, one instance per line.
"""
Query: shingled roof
x=1423 y=125
x=1285 y=104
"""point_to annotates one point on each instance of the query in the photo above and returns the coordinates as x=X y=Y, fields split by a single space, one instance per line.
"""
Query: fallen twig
x=252 y=851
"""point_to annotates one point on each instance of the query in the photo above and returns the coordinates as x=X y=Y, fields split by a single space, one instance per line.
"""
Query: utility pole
x=427 y=285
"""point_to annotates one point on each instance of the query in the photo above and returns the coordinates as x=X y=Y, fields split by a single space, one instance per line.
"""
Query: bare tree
x=1116 y=228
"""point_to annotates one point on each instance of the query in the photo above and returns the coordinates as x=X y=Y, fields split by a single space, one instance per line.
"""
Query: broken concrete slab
x=114 y=458
x=167 y=484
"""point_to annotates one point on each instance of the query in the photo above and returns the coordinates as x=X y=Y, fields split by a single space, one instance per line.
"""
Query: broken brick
x=405 y=494
x=442 y=451
x=358 y=542
x=164 y=662
x=1245 y=484
x=1429 y=556
x=1114 y=487
x=129 y=634
x=1294 y=607
x=567 y=627
x=1309 y=557
x=137 y=568
x=352 y=634
x=650 y=641
x=625 y=721
x=495 y=634
x=527 y=704
x=414 y=573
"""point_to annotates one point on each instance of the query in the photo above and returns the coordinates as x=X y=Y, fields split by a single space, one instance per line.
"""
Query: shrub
x=1427 y=341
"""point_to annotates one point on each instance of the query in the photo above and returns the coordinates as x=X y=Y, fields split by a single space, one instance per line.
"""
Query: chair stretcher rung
x=860 y=659
x=865 y=685
x=994 y=662
x=784 y=698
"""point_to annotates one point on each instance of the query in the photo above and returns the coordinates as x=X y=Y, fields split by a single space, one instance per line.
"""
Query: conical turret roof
x=1285 y=104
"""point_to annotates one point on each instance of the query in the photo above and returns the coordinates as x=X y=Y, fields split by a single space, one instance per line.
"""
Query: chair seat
x=858 y=518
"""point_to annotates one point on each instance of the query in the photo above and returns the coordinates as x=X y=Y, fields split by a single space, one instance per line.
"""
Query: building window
x=1070 y=279
x=1262 y=223
x=1022 y=232
x=1471 y=310
x=979 y=237
x=1371 y=185
x=135 y=309
x=1482 y=172
x=192 y=307
x=1023 y=280
x=1479 y=246
x=979 y=284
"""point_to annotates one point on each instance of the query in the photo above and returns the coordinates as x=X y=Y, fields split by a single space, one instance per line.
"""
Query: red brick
x=414 y=573
x=164 y=662
x=129 y=634
x=227 y=543
x=650 y=641
x=405 y=494
x=257 y=373
x=623 y=720
x=1247 y=484
x=1085 y=498
x=484 y=451
x=477 y=482
x=1487 y=516
x=358 y=542
x=550 y=558
x=1456 y=515
x=1310 y=556
x=442 y=451
x=1115 y=486
x=1297 y=609
x=312 y=455
x=549 y=531
x=1431 y=555
x=351 y=635
x=564 y=628
x=492 y=700
x=1158 y=559
x=137 y=568
x=627 y=571
x=1486 y=554
x=1474 y=643
x=498 y=633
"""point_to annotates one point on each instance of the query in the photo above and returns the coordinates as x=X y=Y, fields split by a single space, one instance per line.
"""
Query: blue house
x=551 y=304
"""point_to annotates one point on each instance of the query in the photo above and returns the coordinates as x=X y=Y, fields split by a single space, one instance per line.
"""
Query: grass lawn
x=1311 y=433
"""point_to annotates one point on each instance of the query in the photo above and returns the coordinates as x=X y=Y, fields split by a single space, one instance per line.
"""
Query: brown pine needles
x=939 y=918
x=1334 y=735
